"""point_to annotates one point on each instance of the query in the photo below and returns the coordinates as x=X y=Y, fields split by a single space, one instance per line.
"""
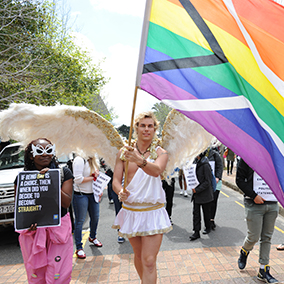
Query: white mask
x=39 y=150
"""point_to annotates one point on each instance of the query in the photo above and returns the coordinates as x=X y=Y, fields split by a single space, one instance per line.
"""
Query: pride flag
x=221 y=63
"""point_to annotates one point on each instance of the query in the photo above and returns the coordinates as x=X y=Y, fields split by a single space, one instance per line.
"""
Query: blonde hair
x=142 y=115
x=93 y=164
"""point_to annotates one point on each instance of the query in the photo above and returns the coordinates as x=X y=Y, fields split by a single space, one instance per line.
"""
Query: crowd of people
x=143 y=205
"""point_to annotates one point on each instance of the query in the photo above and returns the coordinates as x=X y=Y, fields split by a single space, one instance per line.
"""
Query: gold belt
x=154 y=207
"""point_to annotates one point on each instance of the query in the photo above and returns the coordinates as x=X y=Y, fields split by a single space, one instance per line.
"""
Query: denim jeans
x=260 y=226
x=82 y=204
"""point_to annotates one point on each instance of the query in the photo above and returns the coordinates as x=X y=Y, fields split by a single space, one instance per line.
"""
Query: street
x=230 y=231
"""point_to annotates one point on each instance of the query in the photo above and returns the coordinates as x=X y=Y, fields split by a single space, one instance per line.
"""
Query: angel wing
x=70 y=128
x=183 y=139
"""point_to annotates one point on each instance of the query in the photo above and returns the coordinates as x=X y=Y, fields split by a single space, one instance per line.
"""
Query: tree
x=123 y=130
x=161 y=111
x=20 y=23
x=39 y=62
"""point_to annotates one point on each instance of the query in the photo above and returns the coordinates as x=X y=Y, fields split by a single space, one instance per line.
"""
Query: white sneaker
x=181 y=192
x=80 y=254
x=96 y=242
x=185 y=193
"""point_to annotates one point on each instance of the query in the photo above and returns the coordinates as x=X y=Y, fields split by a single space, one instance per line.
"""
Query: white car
x=11 y=163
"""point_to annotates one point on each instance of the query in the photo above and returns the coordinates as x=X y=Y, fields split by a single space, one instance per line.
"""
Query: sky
x=111 y=30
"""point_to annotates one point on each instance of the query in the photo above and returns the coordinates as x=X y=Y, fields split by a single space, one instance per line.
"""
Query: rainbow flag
x=221 y=63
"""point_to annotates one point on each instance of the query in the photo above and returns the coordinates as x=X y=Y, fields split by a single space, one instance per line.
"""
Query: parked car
x=11 y=163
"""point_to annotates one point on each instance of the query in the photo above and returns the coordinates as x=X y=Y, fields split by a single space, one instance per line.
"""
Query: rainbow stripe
x=221 y=63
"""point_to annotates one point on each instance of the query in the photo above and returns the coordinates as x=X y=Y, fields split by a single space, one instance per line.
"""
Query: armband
x=143 y=164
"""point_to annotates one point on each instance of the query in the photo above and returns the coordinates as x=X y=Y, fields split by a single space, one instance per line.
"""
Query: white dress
x=143 y=213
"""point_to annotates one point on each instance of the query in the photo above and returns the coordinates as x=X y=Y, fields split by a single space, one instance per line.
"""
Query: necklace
x=142 y=154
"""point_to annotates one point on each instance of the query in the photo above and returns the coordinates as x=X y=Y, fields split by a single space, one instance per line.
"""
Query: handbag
x=225 y=153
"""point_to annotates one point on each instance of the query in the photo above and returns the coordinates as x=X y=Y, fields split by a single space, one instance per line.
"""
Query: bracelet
x=143 y=164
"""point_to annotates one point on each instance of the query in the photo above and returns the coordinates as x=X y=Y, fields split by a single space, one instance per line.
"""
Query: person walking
x=169 y=188
x=261 y=211
x=230 y=161
x=217 y=166
x=202 y=196
x=182 y=183
x=48 y=251
x=143 y=217
x=108 y=171
x=85 y=172
x=112 y=195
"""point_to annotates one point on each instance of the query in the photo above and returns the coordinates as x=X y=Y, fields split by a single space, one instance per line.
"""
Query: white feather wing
x=183 y=139
x=70 y=128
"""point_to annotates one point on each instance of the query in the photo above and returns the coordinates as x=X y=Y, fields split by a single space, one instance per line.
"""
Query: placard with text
x=99 y=185
x=190 y=176
x=38 y=199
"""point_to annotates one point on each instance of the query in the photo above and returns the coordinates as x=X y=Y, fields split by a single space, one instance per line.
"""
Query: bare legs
x=145 y=256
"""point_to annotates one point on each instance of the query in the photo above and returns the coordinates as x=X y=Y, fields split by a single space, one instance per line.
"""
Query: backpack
x=69 y=165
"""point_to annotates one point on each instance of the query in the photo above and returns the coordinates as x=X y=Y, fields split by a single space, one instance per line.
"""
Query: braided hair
x=29 y=163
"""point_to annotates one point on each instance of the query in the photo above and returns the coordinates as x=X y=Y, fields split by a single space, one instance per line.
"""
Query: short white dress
x=143 y=213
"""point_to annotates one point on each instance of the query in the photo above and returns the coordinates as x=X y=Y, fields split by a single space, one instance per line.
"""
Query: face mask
x=39 y=150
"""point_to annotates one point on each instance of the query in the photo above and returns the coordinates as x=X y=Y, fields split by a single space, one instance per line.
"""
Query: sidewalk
x=201 y=265
x=193 y=265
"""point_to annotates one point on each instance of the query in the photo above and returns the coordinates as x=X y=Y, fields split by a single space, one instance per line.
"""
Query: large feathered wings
x=70 y=128
x=183 y=139
x=77 y=129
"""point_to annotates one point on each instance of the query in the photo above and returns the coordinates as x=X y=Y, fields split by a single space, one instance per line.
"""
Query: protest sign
x=38 y=199
x=100 y=184
x=190 y=176
x=262 y=189
x=212 y=164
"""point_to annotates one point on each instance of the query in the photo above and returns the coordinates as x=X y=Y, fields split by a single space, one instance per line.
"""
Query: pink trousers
x=48 y=252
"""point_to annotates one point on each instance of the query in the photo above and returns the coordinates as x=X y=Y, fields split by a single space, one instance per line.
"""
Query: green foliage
x=39 y=62
x=161 y=111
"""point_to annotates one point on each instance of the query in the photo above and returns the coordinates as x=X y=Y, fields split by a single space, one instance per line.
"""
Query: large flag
x=221 y=63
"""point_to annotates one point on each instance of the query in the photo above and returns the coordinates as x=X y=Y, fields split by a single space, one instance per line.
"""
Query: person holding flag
x=143 y=218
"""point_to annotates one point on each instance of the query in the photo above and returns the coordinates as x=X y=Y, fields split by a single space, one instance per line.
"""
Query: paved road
x=230 y=231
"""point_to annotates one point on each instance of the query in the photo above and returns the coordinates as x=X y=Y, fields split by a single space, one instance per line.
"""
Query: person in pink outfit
x=48 y=251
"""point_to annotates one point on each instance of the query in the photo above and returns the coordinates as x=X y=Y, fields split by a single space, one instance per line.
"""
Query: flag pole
x=130 y=135
x=138 y=75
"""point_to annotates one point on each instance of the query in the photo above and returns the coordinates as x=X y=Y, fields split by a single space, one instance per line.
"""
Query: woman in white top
x=85 y=171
